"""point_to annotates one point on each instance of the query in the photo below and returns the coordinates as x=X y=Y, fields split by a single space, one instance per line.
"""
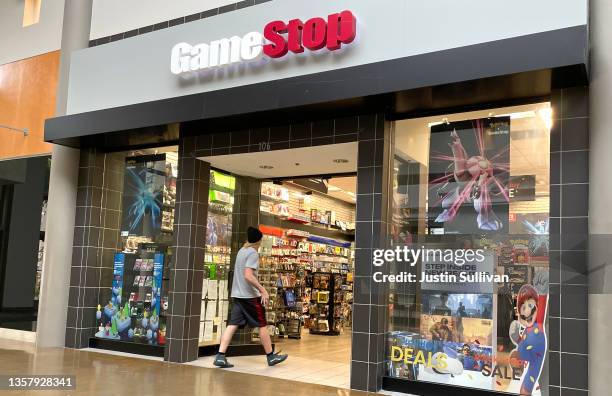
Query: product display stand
x=296 y=271
x=289 y=323
x=137 y=308
x=325 y=294
x=307 y=236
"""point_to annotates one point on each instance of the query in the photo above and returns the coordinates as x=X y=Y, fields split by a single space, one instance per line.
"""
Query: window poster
x=533 y=227
x=491 y=342
x=469 y=166
x=144 y=181
x=522 y=188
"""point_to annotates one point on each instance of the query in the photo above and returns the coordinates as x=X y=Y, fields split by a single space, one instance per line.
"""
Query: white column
x=600 y=196
x=61 y=207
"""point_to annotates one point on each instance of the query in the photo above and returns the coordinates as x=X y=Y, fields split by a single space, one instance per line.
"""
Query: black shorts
x=248 y=311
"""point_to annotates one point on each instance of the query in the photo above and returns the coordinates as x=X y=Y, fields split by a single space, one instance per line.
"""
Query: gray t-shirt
x=247 y=257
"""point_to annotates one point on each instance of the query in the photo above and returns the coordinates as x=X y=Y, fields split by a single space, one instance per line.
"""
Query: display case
x=485 y=335
x=215 y=298
x=309 y=280
x=135 y=309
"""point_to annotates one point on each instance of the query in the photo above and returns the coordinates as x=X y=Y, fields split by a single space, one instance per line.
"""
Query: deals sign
x=277 y=39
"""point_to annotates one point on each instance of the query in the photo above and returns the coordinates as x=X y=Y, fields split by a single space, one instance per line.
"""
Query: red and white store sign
x=277 y=40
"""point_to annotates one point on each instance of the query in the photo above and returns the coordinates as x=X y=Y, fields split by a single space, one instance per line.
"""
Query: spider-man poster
x=469 y=168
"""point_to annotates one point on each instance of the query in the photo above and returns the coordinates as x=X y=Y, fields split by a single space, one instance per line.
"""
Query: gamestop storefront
x=455 y=112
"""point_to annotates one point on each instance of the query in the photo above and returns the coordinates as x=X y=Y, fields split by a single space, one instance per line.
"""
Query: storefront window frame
x=396 y=384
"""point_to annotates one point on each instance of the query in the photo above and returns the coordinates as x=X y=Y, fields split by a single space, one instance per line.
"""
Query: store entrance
x=303 y=200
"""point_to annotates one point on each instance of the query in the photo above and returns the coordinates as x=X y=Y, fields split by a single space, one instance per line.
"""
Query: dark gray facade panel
x=541 y=51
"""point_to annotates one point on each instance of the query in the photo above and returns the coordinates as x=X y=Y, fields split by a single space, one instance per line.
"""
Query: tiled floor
x=101 y=373
x=314 y=359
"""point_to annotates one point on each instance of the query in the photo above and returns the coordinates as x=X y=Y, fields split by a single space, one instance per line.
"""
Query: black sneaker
x=221 y=361
x=275 y=358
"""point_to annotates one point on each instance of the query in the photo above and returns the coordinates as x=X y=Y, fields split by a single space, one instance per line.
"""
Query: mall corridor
x=99 y=373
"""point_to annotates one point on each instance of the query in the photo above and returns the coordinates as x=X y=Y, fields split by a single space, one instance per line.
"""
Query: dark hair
x=253 y=235
x=526 y=292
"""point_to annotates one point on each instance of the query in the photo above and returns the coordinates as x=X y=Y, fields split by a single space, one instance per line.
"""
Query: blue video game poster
x=144 y=181
x=158 y=271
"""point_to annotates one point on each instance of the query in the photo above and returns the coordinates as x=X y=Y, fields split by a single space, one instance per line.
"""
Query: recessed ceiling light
x=267 y=167
x=341 y=161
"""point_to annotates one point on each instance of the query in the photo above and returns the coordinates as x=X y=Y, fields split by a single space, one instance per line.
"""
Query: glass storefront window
x=24 y=187
x=472 y=182
x=217 y=254
x=136 y=308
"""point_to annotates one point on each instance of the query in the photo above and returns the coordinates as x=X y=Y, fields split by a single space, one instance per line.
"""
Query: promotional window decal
x=522 y=188
x=456 y=349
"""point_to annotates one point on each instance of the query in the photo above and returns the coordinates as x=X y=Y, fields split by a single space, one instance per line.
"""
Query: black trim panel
x=127 y=347
x=158 y=350
x=233 y=350
x=540 y=51
x=420 y=388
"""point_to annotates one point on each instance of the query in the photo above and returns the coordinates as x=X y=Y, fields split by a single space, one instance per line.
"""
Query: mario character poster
x=529 y=336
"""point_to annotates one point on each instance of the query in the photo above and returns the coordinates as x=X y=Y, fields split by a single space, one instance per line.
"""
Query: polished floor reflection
x=111 y=374
x=315 y=359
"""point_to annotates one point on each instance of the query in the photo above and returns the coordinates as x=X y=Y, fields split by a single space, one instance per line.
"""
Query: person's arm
x=249 y=275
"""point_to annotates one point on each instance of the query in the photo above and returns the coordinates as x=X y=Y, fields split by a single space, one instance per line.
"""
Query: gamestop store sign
x=276 y=41
x=280 y=40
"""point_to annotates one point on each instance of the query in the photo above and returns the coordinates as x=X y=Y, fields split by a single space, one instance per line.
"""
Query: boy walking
x=249 y=299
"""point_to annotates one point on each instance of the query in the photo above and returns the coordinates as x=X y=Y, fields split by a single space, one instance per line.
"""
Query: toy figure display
x=135 y=310
x=469 y=169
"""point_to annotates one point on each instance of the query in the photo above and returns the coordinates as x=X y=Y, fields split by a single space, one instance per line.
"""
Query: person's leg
x=236 y=320
x=272 y=357
x=226 y=337
x=264 y=336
